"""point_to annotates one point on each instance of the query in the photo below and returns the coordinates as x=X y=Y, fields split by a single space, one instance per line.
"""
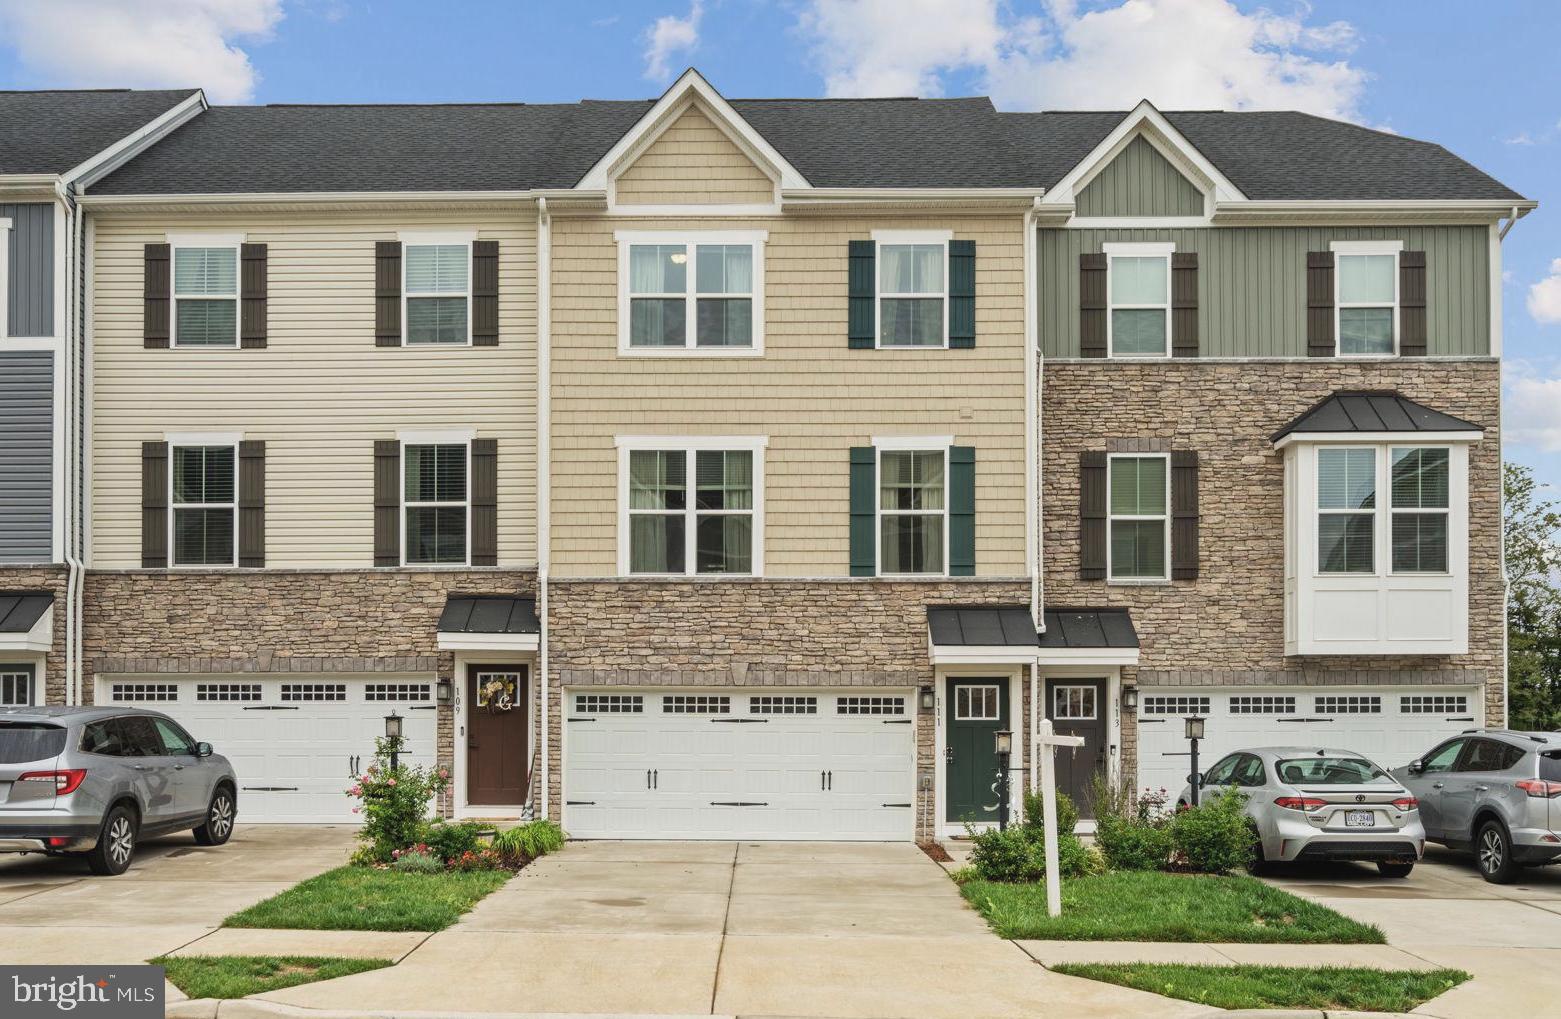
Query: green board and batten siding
x=1252 y=284
x=1139 y=182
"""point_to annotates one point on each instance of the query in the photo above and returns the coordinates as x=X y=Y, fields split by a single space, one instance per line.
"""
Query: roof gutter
x=1226 y=213
x=1512 y=221
x=525 y=197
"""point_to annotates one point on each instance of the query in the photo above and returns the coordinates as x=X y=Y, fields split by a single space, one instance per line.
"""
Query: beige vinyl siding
x=321 y=392
x=1140 y=182
x=1252 y=284
x=693 y=162
x=811 y=395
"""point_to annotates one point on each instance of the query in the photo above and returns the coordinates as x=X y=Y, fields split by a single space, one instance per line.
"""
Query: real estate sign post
x=1046 y=744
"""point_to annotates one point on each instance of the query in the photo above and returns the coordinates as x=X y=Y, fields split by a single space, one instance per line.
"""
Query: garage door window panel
x=1140 y=520
x=436 y=504
x=204 y=486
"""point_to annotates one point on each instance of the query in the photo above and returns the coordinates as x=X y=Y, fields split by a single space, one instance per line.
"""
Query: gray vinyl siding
x=26 y=452
x=30 y=257
x=1252 y=285
x=1140 y=182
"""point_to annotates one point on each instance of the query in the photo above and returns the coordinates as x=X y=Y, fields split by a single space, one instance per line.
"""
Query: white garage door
x=1390 y=726
x=293 y=744
x=724 y=764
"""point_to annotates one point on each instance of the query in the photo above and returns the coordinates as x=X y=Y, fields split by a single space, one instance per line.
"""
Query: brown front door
x=496 y=749
x=1077 y=707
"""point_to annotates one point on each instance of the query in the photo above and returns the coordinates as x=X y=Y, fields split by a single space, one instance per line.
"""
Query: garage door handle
x=270 y=789
x=270 y=707
x=1436 y=785
x=655 y=778
x=736 y=803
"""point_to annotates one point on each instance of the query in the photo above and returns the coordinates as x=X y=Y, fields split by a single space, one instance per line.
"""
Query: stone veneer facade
x=212 y=622
x=759 y=632
x=1226 y=628
x=53 y=579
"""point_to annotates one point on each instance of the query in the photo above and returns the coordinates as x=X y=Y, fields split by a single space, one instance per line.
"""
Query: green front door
x=974 y=710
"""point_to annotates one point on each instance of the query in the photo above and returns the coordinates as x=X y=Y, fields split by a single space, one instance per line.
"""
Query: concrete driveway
x=1507 y=936
x=823 y=929
x=52 y=910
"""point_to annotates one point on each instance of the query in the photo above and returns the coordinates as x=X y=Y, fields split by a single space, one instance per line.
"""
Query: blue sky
x=1487 y=87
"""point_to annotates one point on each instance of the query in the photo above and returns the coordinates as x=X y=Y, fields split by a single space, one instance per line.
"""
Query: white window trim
x=966 y=716
x=1144 y=249
x=689 y=445
x=1165 y=574
x=690 y=239
x=927 y=444
x=904 y=237
x=458 y=438
x=428 y=238
x=1094 y=702
x=1375 y=513
x=186 y=440
x=1394 y=248
x=5 y=277
x=204 y=240
x=34 y=683
x=1382 y=514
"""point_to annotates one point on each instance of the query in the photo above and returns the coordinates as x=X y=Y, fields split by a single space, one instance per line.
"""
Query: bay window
x=691 y=507
x=1420 y=510
x=1346 y=510
x=699 y=292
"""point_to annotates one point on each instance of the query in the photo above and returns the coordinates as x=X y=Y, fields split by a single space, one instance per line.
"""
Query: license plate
x=1360 y=819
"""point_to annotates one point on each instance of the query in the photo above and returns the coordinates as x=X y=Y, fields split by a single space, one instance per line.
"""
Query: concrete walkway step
x=392 y=945
x=1052 y=953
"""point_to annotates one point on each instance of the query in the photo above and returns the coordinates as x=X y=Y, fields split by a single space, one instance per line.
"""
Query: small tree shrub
x=1130 y=844
x=1034 y=818
x=1215 y=837
x=414 y=862
x=394 y=804
x=447 y=840
x=1019 y=854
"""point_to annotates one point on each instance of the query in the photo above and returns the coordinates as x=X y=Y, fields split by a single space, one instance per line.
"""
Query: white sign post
x=1046 y=744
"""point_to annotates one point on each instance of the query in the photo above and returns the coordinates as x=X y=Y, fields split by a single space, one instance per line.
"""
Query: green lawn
x=365 y=899
x=1155 y=906
x=1362 y=990
x=236 y=976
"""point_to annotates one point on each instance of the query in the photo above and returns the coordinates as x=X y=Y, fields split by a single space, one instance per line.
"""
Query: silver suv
x=1492 y=792
x=93 y=781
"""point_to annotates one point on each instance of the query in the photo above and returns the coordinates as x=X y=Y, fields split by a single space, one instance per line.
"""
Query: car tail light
x=56 y=841
x=1407 y=803
x=65 y=782
x=1300 y=803
x=1539 y=788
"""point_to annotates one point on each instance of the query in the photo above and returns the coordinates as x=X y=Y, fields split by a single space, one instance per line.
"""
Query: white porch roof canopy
x=489 y=623
x=26 y=622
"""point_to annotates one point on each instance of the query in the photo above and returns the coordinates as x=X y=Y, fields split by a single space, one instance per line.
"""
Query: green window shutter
x=154 y=505
x=1092 y=305
x=387 y=502
x=485 y=293
x=962 y=294
x=1319 y=304
x=962 y=511
x=1411 y=304
x=387 y=293
x=862 y=324
x=864 y=507
x=1092 y=515
x=252 y=503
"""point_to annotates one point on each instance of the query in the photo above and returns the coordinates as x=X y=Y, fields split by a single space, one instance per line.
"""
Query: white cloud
x=1544 y=297
x=1521 y=138
x=669 y=36
x=1531 y=405
x=172 y=43
x=1178 y=53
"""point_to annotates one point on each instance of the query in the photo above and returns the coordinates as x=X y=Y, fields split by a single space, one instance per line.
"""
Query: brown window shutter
x=485 y=502
x=1184 y=515
x=1092 y=306
x=1184 y=304
x=485 y=293
x=1411 y=304
x=387 y=293
x=252 y=503
x=1092 y=515
x=252 y=295
x=157 y=291
x=154 y=504
x=387 y=502
x=1319 y=304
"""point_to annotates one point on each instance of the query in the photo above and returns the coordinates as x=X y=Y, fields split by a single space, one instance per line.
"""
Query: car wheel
x=1259 y=863
x=1493 y=853
x=218 y=826
x=116 y=843
x=1387 y=869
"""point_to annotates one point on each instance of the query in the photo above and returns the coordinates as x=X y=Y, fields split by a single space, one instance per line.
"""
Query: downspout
x=1506 y=581
x=544 y=477
x=70 y=357
x=1032 y=442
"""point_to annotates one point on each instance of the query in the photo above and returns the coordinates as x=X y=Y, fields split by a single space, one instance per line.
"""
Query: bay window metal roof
x=1346 y=412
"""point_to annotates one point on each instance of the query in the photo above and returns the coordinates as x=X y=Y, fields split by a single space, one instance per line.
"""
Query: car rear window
x=25 y=742
x=1550 y=766
x=1331 y=771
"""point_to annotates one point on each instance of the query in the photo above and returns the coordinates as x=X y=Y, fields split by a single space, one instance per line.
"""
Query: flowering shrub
x=478 y=859
x=394 y=804
x=414 y=862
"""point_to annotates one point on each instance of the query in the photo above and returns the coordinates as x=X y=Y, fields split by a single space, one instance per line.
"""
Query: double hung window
x=204 y=490
x=912 y=295
x=692 y=510
x=1138 y=278
x=435 y=503
x=205 y=294
x=1138 y=495
x=1418 y=509
x=1346 y=510
x=437 y=292
x=912 y=511
x=1366 y=278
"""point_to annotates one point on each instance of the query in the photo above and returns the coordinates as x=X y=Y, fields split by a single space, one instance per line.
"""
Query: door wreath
x=497 y=695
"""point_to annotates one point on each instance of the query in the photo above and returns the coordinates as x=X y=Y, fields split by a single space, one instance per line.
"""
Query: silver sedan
x=1310 y=803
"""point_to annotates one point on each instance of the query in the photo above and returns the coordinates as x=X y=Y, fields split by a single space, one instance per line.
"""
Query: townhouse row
x=737 y=468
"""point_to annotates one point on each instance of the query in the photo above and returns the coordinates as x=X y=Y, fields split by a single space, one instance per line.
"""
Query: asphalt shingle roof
x=921 y=143
x=1372 y=411
x=51 y=132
